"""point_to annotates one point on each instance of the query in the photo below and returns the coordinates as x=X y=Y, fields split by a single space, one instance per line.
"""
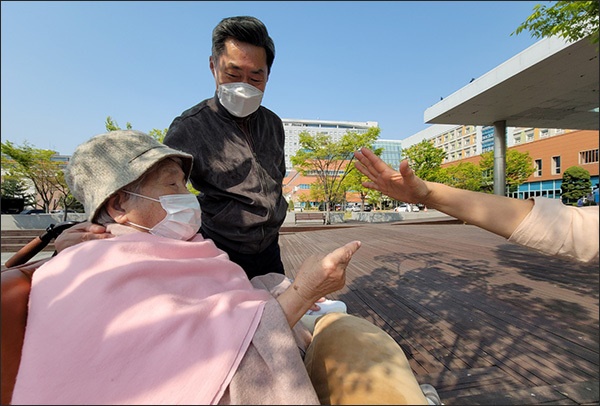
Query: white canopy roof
x=552 y=84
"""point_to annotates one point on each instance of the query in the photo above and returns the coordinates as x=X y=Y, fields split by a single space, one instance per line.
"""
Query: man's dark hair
x=245 y=29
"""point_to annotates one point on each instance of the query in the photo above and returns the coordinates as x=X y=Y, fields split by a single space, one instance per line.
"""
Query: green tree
x=571 y=20
x=16 y=188
x=66 y=199
x=159 y=135
x=576 y=183
x=375 y=198
x=465 y=175
x=519 y=167
x=112 y=125
x=330 y=161
x=36 y=165
x=317 y=194
x=305 y=199
x=354 y=179
x=425 y=159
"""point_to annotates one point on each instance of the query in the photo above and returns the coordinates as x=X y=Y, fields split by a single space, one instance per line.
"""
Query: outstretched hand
x=402 y=185
x=320 y=275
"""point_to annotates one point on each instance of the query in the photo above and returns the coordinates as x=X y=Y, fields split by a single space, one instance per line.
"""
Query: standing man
x=238 y=149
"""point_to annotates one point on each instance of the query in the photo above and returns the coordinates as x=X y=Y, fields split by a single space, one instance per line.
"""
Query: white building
x=335 y=129
x=464 y=141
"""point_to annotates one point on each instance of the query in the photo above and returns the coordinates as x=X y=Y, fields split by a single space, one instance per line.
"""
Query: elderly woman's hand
x=318 y=276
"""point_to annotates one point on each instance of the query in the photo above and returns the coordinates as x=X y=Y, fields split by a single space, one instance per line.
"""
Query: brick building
x=551 y=156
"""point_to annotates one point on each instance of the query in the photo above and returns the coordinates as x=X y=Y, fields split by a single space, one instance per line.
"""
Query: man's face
x=241 y=62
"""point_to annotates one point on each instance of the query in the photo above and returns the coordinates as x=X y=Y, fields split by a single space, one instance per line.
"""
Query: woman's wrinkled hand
x=320 y=275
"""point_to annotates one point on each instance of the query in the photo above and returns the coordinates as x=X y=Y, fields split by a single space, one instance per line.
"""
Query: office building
x=464 y=141
x=335 y=129
x=552 y=155
x=391 y=151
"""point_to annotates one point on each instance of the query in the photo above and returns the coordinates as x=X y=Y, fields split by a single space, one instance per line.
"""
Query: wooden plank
x=461 y=301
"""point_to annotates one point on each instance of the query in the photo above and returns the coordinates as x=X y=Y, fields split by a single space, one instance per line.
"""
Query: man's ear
x=115 y=209
x=212 y=66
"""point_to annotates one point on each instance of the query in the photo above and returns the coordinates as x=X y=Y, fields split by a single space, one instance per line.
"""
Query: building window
x=588 y=157
x=529 y=135
x=538 y=168
x=556 y=165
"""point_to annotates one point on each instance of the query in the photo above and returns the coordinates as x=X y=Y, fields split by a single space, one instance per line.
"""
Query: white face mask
x=240 y=99
x=183 y=217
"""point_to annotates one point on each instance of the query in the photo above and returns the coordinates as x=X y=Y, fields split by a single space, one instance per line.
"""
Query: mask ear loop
x=138 y=226
x=145 y=197
x=138 y=195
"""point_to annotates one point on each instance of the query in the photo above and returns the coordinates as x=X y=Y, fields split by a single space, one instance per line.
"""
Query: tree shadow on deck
x=580 y=277
x=531 y=316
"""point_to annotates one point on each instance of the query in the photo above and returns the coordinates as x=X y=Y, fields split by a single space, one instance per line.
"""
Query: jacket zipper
x=250 y=141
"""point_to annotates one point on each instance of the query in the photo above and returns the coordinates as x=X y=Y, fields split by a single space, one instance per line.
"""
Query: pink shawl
x=136 y=319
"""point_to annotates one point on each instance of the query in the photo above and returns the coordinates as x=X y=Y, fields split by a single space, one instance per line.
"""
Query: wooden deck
x=483 y=320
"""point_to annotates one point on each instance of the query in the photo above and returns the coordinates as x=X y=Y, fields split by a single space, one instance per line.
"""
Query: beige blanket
x=272 y=371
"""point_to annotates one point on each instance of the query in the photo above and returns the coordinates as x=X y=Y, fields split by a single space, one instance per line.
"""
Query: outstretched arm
x=317 y=277
x=498 y=214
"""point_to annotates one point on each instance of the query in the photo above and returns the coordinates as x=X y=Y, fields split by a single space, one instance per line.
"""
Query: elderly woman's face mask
x=183 y=217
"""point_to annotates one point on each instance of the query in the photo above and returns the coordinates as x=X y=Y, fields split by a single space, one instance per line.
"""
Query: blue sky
x=66 y=66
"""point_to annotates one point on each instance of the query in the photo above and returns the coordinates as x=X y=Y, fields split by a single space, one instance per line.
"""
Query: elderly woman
x=159 y=315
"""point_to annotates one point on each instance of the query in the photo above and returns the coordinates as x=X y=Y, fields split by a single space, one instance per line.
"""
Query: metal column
x=500 y=158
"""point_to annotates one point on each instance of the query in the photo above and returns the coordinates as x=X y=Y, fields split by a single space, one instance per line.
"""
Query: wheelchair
x=16 y=285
